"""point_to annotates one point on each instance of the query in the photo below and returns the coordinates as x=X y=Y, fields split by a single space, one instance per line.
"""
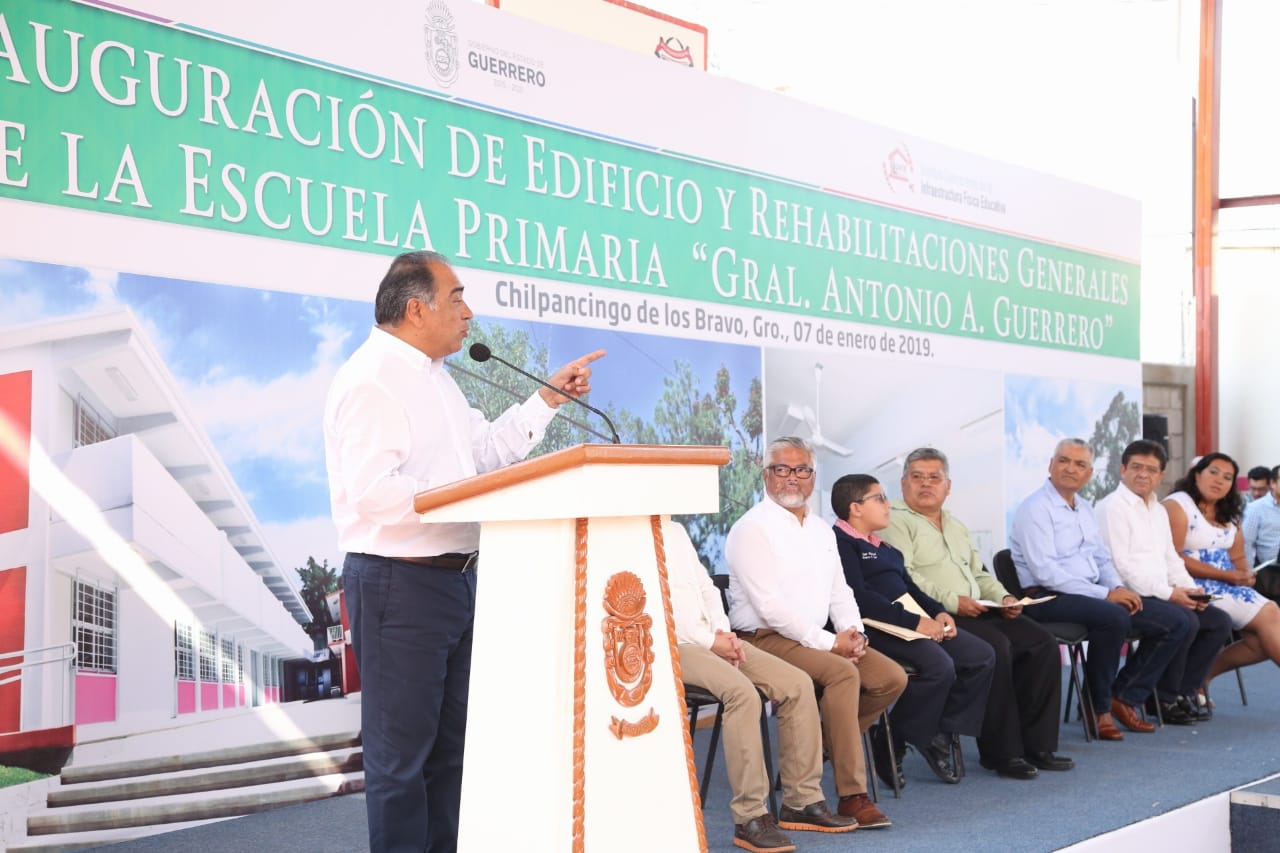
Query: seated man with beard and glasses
x=785 y=583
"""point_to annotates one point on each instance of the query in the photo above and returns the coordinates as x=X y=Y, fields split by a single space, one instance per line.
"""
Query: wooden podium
x=576 y=729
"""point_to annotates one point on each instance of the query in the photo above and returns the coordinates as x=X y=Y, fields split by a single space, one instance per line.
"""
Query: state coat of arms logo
x=628 y=639
x=441 y=38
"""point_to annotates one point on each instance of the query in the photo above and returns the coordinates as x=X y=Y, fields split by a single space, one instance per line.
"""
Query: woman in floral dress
x=1204 y=515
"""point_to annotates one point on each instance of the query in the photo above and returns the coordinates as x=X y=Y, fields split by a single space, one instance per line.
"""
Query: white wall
x=1248 y=313
x=144 y=667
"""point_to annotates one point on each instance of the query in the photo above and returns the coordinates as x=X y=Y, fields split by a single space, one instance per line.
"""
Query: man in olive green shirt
x=1020 y=729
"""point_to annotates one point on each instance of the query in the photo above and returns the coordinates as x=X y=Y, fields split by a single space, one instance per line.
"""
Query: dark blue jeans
x=1164 y=633
x=411 y=632
x=1210 y=629
x=1108 y=625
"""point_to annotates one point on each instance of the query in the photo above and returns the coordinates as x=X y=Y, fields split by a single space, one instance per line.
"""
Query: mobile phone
x=1200 y=596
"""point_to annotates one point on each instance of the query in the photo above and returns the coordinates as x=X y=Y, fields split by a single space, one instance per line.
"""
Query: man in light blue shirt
x=1261 y=525
x=1058 y=550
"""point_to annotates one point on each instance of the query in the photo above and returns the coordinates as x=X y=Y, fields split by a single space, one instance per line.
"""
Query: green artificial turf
x=17 y=776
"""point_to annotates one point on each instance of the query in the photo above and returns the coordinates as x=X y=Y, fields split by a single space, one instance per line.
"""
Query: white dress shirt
x=396 y=423
x=695 y=601
x=786 y=575
x=1141 y=544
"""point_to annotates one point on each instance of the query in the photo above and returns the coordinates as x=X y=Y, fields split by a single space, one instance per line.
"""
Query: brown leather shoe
x=761 y=835
x=815 y=817
x=860 y=808
x=1102 y=729
x=1128 y=717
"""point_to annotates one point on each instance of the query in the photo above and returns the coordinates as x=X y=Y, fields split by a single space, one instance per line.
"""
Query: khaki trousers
x=799 y=732
x=853 y=696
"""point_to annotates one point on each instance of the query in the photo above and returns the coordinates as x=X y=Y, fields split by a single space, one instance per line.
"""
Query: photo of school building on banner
x=199 y=201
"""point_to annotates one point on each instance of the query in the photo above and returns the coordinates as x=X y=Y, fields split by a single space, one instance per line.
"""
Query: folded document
x=1024 y=601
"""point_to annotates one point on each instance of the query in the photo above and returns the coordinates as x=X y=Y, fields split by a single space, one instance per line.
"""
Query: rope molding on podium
x=660 y=552
x=579 y=679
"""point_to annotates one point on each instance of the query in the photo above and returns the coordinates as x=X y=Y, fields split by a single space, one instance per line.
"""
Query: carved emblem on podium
x=628 y=641
x=626 y=728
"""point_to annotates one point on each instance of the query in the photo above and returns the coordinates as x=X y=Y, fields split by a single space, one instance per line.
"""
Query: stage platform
x=1168 y=790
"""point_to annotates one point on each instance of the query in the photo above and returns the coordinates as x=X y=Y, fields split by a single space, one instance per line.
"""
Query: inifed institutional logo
x=899 y=170
x=674 y=50
x=441 y=38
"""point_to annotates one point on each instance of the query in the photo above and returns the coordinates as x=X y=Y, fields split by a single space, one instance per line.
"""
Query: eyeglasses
x=878 y=496
x=932 y=479
x=802 y=472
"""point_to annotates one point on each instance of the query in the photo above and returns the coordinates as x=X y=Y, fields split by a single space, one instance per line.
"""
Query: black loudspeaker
x=1156 y=428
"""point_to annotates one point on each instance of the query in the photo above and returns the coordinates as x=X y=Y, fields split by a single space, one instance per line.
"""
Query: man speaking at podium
x=395 y=423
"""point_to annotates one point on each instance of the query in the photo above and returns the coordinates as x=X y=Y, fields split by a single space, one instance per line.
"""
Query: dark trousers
x=411 y=632
x=1164 y=632
x=1208 y=631
x=947 y=692
x=1026 y=688
x=1108 y=625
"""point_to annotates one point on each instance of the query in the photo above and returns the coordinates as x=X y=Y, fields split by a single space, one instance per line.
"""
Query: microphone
x=480 y=352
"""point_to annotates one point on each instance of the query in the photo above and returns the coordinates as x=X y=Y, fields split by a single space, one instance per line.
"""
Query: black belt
x=448 y=562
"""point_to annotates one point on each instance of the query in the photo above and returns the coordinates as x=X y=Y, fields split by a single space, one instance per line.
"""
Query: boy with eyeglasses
x=947 y=692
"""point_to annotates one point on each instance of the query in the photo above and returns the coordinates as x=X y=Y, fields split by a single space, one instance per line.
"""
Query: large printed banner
x=164 y=123
x=199 y=200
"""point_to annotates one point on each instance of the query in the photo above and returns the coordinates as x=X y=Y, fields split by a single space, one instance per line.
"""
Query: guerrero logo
x=441 y=40
x=899 y=170
x=628 y=641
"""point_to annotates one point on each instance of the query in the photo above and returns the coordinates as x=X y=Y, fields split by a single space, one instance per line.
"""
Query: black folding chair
x=1072 y=635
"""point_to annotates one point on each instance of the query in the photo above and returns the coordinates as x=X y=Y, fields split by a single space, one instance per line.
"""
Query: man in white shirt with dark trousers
x=1135 y=527
x=395 y=423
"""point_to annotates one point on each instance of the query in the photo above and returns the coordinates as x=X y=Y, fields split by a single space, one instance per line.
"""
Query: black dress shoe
x=938 y=756
x=886 y=757
x=1175 y=715
x=1193 y=708
x=1176 y=712
x=1049 y=761
x=1012 y=768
